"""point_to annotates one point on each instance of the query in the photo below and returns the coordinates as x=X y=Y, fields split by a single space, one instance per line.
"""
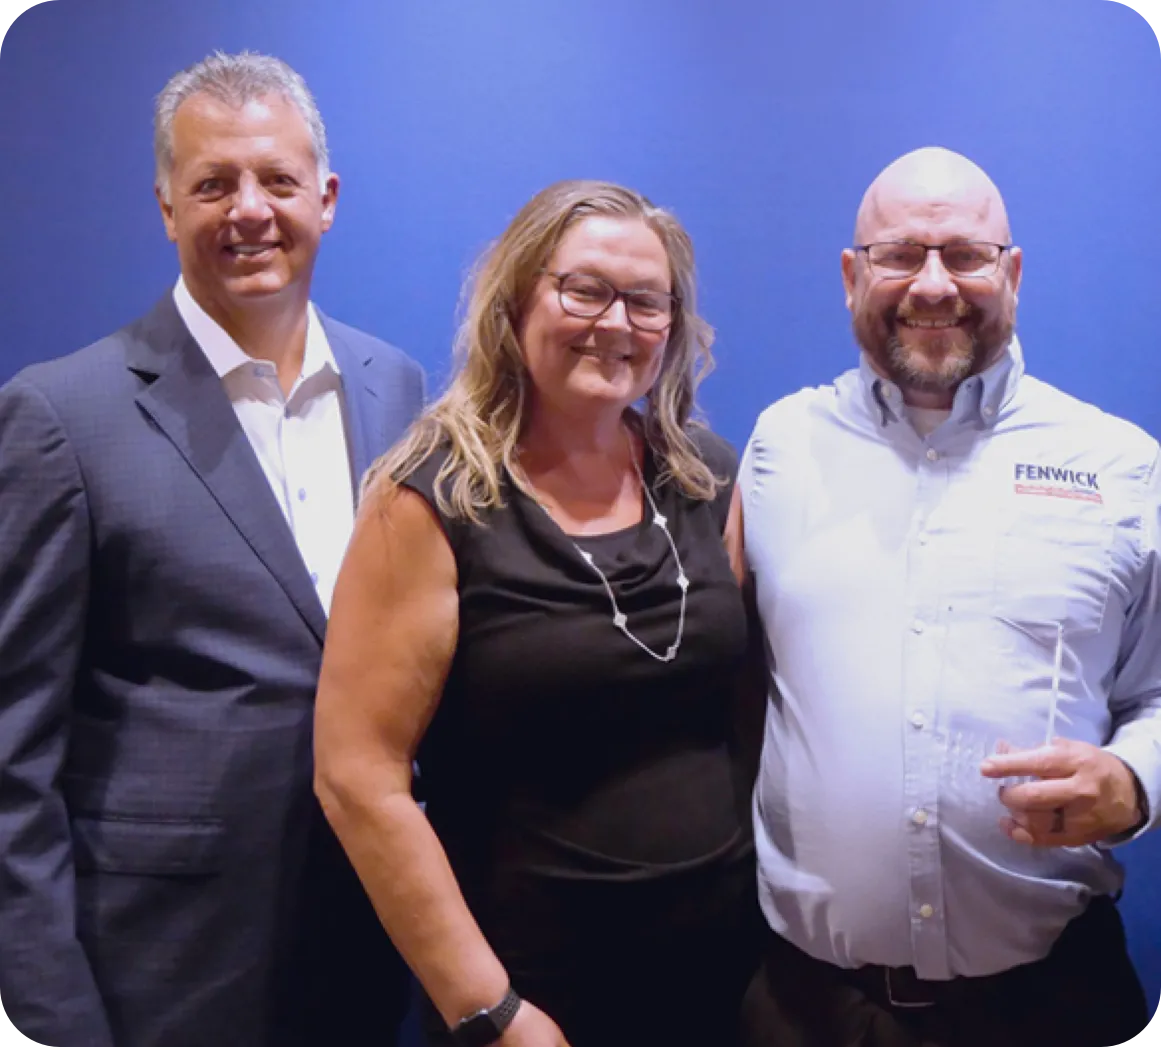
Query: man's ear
x=1015 y=271
x=849 y=261
x=330 y=197
x=166 y=214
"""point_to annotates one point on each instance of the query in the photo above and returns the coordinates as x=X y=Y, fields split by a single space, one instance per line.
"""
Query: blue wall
x=759 y=122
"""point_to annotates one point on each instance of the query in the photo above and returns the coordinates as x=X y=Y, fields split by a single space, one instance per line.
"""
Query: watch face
x=477 y=1031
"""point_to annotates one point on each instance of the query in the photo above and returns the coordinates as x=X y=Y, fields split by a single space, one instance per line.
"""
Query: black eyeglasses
x=587 y=296
x=899 y=259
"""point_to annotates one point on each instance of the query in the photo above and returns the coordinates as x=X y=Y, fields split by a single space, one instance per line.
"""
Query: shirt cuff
x=1140 y=757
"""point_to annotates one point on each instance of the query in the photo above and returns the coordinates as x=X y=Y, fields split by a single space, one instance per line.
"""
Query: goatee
x=944 y=370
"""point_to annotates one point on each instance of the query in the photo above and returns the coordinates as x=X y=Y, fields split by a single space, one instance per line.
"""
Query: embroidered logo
x=1052 y=481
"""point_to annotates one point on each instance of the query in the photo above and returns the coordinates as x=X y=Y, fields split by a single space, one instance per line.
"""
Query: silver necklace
x=620 y=620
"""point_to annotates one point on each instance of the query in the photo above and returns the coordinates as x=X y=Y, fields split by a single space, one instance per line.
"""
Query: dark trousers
x=1085 y=993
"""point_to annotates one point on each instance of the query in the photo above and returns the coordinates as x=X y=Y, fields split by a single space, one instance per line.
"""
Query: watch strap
x=488 y=1025
x=505 y=1010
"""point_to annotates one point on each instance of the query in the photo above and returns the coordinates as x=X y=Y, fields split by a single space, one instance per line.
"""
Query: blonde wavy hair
x=480 y=416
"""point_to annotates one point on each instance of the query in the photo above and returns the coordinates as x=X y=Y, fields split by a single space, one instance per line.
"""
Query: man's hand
x=1086 y=794
x=532 y=1028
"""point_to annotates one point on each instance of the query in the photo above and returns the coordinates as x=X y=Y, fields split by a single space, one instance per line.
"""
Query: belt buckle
x=913 y=1004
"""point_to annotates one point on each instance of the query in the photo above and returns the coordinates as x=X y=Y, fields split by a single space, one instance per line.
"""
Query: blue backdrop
x=759 y=122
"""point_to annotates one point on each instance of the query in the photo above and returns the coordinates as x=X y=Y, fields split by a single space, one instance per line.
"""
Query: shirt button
x=919 y=817
x=314 y=577
x=932 y=454
x=926 y=911
x=917 y=626
x=923 y=538
x=989 y=411
x=918 y=720
x=302 y=494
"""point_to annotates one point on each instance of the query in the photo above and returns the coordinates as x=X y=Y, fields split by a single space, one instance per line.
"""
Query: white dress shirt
x=914 y=590
x=300 y=439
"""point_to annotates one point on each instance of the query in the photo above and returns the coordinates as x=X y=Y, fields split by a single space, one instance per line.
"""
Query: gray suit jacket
x=166 y=876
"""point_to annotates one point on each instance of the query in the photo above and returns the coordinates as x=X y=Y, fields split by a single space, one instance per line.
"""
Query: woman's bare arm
x=392 y=634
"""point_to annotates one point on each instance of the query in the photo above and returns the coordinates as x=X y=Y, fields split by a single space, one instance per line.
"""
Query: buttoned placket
x=307 y=513
x=924 y=746
x=924 y=637
x=296 y=496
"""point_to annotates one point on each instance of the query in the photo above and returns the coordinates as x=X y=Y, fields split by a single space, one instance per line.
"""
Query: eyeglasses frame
x=617 y=294
x=928 y=248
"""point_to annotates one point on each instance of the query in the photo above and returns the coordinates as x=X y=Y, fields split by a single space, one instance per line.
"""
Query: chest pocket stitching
x=1051 y=569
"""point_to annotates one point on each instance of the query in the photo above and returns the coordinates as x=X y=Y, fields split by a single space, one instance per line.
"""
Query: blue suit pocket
x=147 y=847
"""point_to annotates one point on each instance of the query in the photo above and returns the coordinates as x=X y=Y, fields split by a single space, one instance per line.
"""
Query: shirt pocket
x=1053 y=570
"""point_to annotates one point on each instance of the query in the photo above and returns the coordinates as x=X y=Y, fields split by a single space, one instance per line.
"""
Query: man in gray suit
x=174 y=504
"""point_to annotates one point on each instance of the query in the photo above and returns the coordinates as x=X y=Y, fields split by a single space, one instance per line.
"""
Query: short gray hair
x=235 y=80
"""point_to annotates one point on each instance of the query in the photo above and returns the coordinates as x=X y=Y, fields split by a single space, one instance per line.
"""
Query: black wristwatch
x=487 y=1026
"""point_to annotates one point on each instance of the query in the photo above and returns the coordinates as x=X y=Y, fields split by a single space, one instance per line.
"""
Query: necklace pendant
x=682 y=582
x=671 y=653
x=619 y=620
x=659 y=520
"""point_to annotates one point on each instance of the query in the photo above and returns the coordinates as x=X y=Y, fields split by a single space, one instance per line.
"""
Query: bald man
x=957 y=571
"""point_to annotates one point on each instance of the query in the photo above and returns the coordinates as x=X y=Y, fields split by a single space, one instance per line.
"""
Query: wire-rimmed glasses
x=900 y=259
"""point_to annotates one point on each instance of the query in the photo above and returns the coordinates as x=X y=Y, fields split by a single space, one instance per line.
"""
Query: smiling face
x=578 y=365
x=930 y=331
x=246 y=209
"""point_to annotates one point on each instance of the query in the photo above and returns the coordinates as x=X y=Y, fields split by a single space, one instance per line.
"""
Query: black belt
x=902 y=987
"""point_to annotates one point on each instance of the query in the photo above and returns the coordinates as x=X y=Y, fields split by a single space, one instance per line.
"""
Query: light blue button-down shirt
x=914 y=593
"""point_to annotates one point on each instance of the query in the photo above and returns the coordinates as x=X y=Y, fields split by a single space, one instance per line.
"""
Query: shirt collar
x=981 y=398
x=226 y=356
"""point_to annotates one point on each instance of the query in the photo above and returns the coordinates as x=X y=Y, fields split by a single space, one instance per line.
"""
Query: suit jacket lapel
x=187 y=402
x=366 y=418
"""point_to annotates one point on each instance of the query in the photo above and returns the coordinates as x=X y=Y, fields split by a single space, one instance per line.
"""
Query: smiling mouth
x=907 y=316
x=930 y=325
x=603 y=356
x=250 y=250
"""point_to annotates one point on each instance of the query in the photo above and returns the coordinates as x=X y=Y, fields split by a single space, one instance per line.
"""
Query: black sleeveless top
x=560 y=749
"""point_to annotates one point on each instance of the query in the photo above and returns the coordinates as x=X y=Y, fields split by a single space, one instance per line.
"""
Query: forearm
x=406 y=874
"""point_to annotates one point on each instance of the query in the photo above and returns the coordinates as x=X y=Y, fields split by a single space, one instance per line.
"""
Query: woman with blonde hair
x=539 y=605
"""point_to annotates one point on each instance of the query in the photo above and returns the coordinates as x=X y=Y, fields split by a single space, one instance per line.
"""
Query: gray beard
x=878 y=338
x=902 y=370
